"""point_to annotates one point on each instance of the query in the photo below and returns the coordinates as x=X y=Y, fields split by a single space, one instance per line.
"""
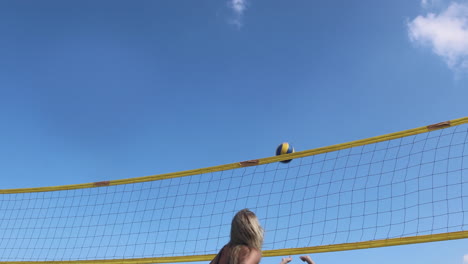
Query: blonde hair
x=245 y=231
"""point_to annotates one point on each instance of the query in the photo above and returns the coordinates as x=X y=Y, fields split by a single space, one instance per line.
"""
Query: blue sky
x=93 y=91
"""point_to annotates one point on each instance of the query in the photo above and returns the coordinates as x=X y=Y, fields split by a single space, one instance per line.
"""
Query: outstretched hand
x=307 y=259
x=286 y=260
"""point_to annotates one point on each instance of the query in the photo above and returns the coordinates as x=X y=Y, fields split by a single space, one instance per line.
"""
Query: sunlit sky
x=103 y=90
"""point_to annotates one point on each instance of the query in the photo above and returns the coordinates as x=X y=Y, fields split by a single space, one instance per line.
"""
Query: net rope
x=403 y=188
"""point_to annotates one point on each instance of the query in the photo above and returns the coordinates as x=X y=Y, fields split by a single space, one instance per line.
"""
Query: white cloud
x=465 y=259
x=238 y=6
x=446 y=33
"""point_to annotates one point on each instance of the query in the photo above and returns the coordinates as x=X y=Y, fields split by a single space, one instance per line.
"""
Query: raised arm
x=286 y=260
x=307 y=259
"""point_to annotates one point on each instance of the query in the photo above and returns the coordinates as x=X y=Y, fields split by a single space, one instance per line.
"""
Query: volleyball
x=284 y=148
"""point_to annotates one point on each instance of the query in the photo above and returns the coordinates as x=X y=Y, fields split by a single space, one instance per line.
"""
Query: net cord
x=237 y=165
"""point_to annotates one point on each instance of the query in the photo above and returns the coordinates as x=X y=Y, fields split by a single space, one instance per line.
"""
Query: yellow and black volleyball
x=284 y=148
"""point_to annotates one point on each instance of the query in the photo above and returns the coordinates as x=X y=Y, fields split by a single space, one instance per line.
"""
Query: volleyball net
x=400 y=188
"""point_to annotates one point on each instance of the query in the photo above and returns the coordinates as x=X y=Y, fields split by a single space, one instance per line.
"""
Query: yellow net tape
x=231 y=166
x=278 y=252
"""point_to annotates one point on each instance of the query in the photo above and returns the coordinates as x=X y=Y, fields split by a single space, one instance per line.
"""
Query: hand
x=286 y=260
x=307 y=259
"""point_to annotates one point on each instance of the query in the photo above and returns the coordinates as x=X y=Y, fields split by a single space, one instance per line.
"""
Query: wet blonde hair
x=245 y=231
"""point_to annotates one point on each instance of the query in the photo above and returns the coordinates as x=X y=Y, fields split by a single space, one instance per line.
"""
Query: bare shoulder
x=250 y=255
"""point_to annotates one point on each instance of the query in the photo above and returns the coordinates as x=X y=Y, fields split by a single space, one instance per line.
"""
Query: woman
x=245 y=246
